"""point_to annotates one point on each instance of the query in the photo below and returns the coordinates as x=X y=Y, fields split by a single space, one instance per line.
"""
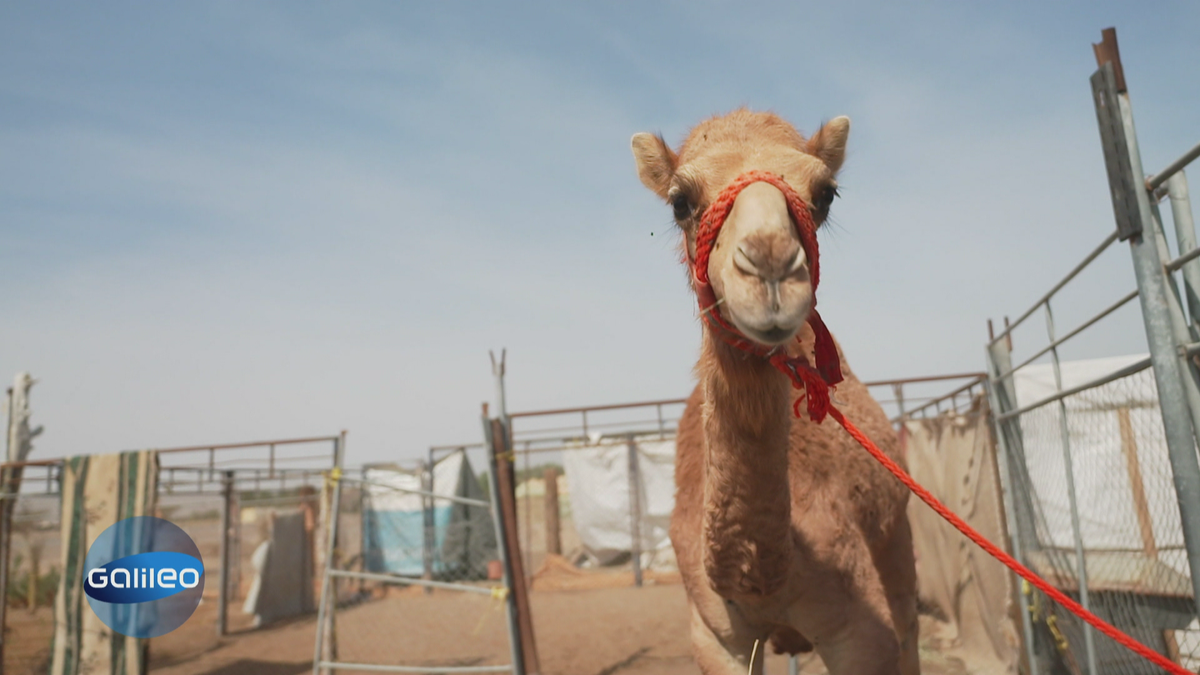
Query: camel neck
x=747 y=501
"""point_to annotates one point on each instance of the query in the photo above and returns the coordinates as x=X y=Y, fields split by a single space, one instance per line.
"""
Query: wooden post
x=512 y=542
x=1141 y=507
x=553 y=533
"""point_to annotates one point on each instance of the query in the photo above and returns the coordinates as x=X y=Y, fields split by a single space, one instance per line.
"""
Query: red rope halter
x=828 y=372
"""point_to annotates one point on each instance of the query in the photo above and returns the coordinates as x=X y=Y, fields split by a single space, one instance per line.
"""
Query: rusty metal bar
x=585 y=409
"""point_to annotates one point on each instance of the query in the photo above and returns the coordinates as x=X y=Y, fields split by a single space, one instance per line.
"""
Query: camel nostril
x=745 y=263
x=798 y=262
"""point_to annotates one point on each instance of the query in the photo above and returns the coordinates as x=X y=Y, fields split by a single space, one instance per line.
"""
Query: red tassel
x=825 y=351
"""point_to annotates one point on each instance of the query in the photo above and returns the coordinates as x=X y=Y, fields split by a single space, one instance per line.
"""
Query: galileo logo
x=143 y=577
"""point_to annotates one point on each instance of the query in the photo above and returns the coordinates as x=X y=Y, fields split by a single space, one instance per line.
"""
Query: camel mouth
x=772 y=335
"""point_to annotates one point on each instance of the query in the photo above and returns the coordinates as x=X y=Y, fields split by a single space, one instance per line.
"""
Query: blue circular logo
x=143 y=577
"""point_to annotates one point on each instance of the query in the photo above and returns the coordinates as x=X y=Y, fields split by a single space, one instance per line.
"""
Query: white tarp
x=598 y=479
x=1108 y=519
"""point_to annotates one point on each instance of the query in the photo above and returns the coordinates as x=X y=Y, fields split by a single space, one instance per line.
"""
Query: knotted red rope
x=816 y=382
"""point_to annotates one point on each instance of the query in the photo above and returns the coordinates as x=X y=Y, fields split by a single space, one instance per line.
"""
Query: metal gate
x=1139 y=458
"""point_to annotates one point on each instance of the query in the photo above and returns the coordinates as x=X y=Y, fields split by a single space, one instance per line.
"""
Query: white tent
x=1114 y=432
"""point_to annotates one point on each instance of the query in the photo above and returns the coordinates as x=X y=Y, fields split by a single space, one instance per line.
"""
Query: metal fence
x=226 y=497
x=420 y=594
x=1100 y=470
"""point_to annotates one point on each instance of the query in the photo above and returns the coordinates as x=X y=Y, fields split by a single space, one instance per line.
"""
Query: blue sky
x=228 y=221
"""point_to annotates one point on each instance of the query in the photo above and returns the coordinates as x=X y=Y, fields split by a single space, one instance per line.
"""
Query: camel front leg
x=866 y=644
x=727 y=654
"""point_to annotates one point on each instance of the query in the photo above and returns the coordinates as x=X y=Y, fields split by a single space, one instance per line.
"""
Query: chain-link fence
x=1126 y=522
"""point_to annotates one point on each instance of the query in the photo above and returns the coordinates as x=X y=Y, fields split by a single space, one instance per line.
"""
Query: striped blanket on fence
x=97 y=491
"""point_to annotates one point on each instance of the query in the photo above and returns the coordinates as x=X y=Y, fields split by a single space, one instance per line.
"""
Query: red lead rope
x=816 y=383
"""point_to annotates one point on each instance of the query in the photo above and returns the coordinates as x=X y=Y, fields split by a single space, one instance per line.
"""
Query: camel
x=784 y=528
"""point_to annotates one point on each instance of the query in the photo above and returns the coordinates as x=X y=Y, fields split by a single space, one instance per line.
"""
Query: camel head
x=758 y=269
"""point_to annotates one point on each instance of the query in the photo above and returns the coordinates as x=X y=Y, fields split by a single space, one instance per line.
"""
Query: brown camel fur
x=783 y=528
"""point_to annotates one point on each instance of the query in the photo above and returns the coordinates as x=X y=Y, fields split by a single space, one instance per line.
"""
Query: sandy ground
x=632 y=631
x=586 y=623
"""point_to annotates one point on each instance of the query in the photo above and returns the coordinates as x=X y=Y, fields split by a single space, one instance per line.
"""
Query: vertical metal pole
x=1183 y=331
x=635 y=512
x=527 y=547
x=514 y=634
x=553 y=526
x=1089 y=638
x=1001 y=392
x=430 y=536
x=1185 y=234
x=1131 y=201
x=328 y=605
x=226 y=564
x=7 y=507
x=498 y=371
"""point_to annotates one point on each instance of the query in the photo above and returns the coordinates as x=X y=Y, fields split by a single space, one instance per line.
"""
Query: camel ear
x=829 y=144
x=655 y=162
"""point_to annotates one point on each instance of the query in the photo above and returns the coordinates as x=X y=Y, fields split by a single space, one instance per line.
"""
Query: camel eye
x=824 y=197
x=681 y=205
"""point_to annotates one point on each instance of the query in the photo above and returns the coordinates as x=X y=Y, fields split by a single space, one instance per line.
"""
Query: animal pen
x=253 y=509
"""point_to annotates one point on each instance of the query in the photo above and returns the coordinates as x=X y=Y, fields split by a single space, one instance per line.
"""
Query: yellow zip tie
x=1060 y=640
x=509 y=455
x=498 y=593
x=1027 y=590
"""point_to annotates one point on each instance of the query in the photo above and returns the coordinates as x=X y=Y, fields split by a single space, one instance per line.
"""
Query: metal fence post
x=1185 y=235
x=427 y=506
x=1132 y=201
x=495 y=485
x=635 y=512
x=1001 y=398
x=226 y=558
x=325 y=642
x=1089 y=638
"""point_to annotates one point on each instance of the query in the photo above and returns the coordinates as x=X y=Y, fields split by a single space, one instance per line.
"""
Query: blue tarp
x=394 y=522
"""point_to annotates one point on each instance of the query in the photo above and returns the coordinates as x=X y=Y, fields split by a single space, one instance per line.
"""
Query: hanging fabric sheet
x=97 y=491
